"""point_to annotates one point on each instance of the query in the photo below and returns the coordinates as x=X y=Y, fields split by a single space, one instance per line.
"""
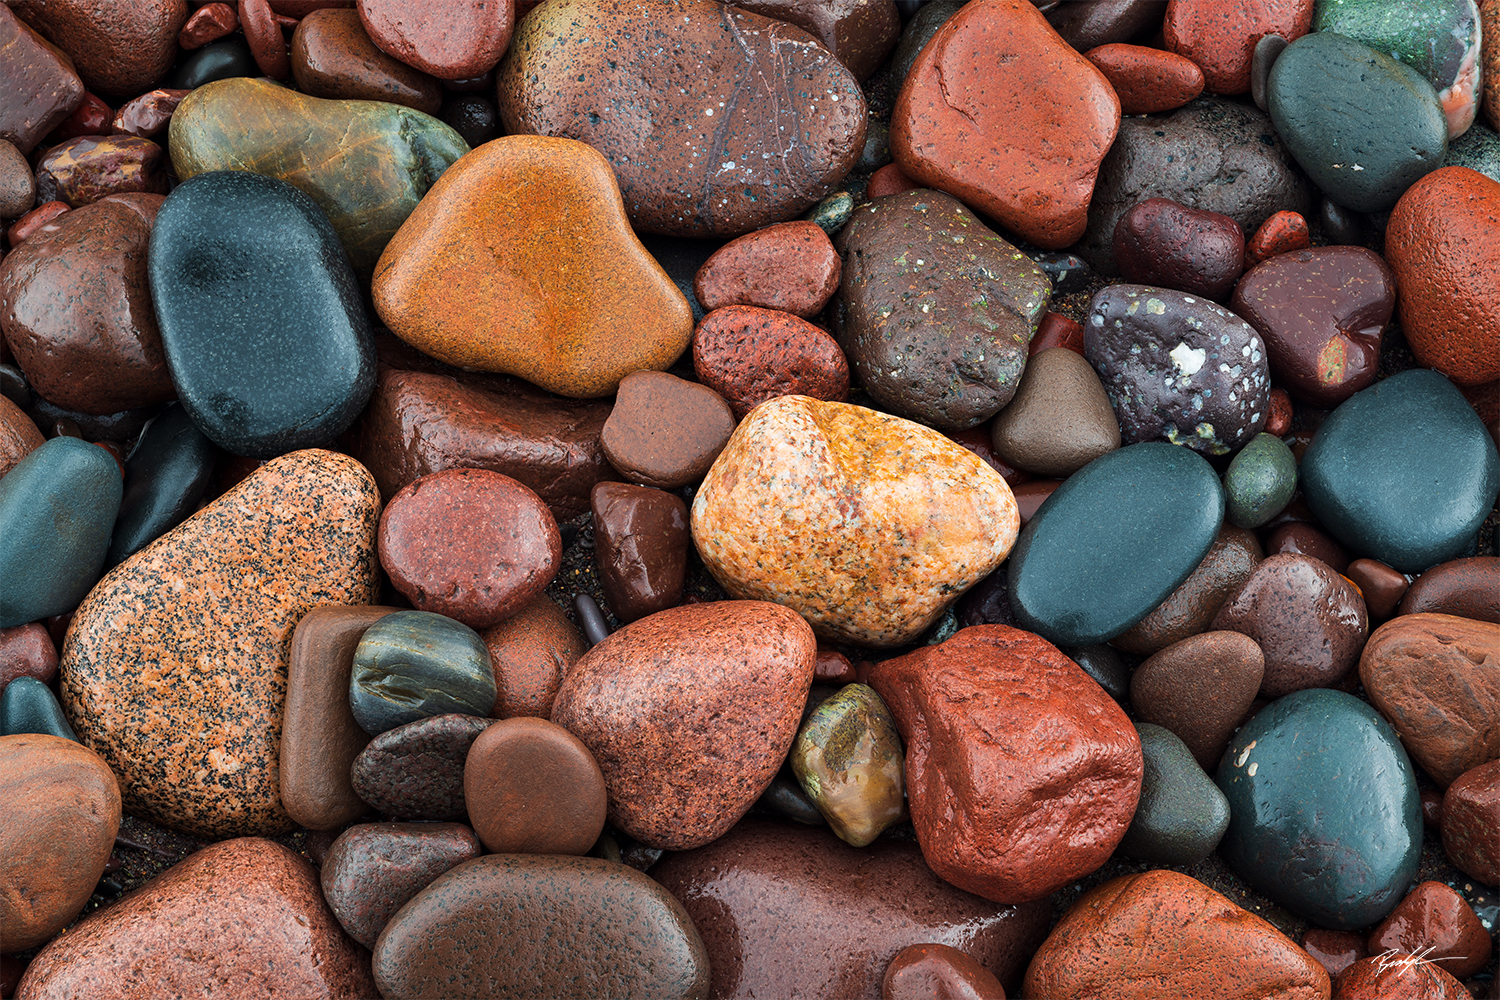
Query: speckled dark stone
x=29 y=706
x=165 y=477
x=417 y=770
x=1469 y=588
x=216 y=61
x=268 y=340
x=1260 y=482
x=1181 y=814
x=1356 y=475
x=414 y=665
x=935 y=310
x=57 y=506
x=1178 y=368
x=542 y=926
x=206 y=614
x=1324 y=817
x=1068 y=565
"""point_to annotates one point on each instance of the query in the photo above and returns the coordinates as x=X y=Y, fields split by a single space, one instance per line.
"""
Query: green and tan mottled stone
x=849 y=760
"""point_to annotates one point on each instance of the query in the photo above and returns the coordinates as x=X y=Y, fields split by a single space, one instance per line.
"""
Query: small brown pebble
x=208 y=23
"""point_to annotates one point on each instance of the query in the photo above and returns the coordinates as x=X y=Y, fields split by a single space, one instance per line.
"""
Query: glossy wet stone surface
x=848 y=759
x=531 y=787
x=1469 y=588
x=1160 y=242
x=416 y=771
x=641 y=543
x=1260 y=481
x=1190 y=608
x=665 y=431
x=165 y=478
x=415 y=665
x=1200 y=688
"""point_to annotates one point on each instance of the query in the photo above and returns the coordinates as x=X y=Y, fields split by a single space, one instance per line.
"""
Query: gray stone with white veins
x=1178 y=368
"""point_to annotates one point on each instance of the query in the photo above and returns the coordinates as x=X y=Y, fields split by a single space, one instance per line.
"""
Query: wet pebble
x=415 y=665
x=416 y=771
x=373 y=869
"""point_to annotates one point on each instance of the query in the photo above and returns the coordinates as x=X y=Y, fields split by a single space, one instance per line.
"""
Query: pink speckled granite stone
x=204 y=617
x=865 y=524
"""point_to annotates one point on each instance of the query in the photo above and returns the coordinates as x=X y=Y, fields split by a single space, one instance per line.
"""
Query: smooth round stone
x=27 y=651
x=934 y=310
x=587 y=927
x=1381 y=586
x=17 y=184
x=1323 y=313
x=1437 y=923
x=1200 y=689
x=268 y=343
x=789 y=266
x=731 y=87
x=1339 y=104
x=665 y=431
x=333 y=58
x=1437 y=38
x=1300 y=538
x=1182 y=814
x=922 y=971
x=641 y=543
x=373 y=869
x=1060 y=419
x=1178 y=368
x=1222 y=40
x=848 y=759
x=530 y=652
x=85 y=169
x=1161 y=242
x=1260 y=482
x=1324 y=817
x=166 y=475
x=1469 y=588
x=452 y=40
x=29 y=706
x=62 y=808
x=1397 y=975
x=532 y=787
x=1093 y=534
x=470 y=544
x=57 y=507
x=1163 y=933
x=749 y=355
x=1147 y=80
x=1471 y=822
x=1356 y=475
x=415 y=665
x=225 y=60
x=416 y=771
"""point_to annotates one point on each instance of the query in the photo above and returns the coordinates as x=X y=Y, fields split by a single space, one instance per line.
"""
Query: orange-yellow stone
x=867 y=525
x=521 y=260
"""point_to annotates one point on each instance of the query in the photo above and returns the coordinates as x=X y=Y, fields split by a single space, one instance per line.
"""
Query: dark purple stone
x=416 y=771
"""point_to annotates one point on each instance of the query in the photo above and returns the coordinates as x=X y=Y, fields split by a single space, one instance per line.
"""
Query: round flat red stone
x=532 y=787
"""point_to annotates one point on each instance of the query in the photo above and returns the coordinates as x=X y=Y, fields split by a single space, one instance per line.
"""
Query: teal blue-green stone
x=1325 y=817
x=29 y=706
x=1478 y=149
x=832 y=212
x=1437 y=38
x=1260 y=481
x=1113 y=541
x=1181 y=815
x=1403 y=472
x=57 y=508
x=414 y=665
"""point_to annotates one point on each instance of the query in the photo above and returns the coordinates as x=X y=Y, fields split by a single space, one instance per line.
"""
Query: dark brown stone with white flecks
x=90 y=167
x=1469 y=588
x=1309 y=621
x=533 y=788
x=641 y=542
x=451 y=41
x=1437 y=923
x=1200 y=688
x=118 y=48
x=239 y=919
x=1192 y=606
x=319 y=737
x=690 y=713
x=332 y=57
x=749 y=355
x=75 y=308
x=665 y=431
x=790 y=266
x=765 y=884
x=416 y=771
x=1060 y=419
x=41 y=86
x=861 y=33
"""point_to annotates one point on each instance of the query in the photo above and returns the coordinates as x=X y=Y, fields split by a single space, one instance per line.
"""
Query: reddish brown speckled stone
x=1165 y=934
x=1301 y=538
x=41 y=88
x=1397 y=977
x=790 y=266
x=62 y=811
x=1147 y=79
x=1221 y=38
x=373 y=869
x=1437 y=923
x=938 y=972
x=19 y=435
x=542 y=926
x=1001 y=113
x=1281 y=233
x=1471 y=822
x=690 y=713
x=34 y=220
x=239 y=919
x=264 y=36
x=1164 y=243
x=27 y=651
x=749 y=355
x=665 y=431
x=1190 y=608
x=416 y=771
x=1489 y=73
x=530 y=653
x=88 y=168
x=889 y=180
x=1056 y=330
x=1200 y=688
x=333 y=57
x=1021 y=773
x=120 y=48
x=475 y=276
x=1469 y=588
x=787 y=910
x=454 y=40
x=205 y=616
x=533 y=788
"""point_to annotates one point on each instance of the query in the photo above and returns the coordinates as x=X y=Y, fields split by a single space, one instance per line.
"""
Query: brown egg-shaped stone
x=1192 y=606
x=1200 y=688
x=450 y=40
x=1469 y=588
x=530 y=652
x=1471 y=822
x=333 y=57
x=27 y=651
x=1303 y=539
x=665 y=431
x=790 y=266
x=62 y=811
x=532 y=787
x=1334 y=950
x=42 y=89
x=749 y=355
x=118 y=48
x=1381 y=586
x=641 y=543
x=1059 y=420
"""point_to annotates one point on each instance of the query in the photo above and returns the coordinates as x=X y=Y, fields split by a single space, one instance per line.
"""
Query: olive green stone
x=832 y=212
x=1260 y=482
x=849 y=760
x=365 y=163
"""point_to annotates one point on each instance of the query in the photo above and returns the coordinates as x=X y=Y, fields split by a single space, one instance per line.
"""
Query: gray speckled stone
x=1478 y=149
x=1260 y=481
x=261 y=317
x=1182 y=814
x=415 y=665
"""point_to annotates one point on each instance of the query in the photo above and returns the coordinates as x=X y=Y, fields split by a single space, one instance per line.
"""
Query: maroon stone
x=1381 y=586
x=41 y=89
x=471 y=544
x=302 y=8
x=1004 y=825
x=75 y=308
x=1471 y=822
x=1437 y=923
x=1323 y=313
x=91 y=117
x=416 y=771
x=17 y=185
x=332 y=57
x=665 y=431
x=530 y=653
x=119 y=48
x=451 y=41
x=90 y=167
x=1164 y=243
x=787 y=910
x=1308 y=620
x=1334 y=950
x=11 y=971
x=27 y=651
x=373 y=869
x=1088 y=25
x=1301 y=538
x=641 y=542
x=889 y=180
x=749 y=355
x=533 y=788
x=1283 y=232
x=1432 y=809
x=264 y=35
x=1201 y=689
x=1031 y=494
x=1469 y=588
x=149 y=115
x=938 y=972
x=980 y=442
x=208 y=23
x=34 y=220
x=1279 y=416
x=860 y=33
x=1056 y=330
x=833 y=667
x=790 y=266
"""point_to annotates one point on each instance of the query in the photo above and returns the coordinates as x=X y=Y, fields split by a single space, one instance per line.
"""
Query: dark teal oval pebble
x=1260 y=481
x=1182 y=814
x=165 y=477
x=414 y=665
x=29 y=706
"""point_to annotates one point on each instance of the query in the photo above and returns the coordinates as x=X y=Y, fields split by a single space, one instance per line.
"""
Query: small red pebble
x=27 y=651
x=1056 y=330
x=149 y=115
x=91 y=117
x=34 y=220
x=264 y=35
x=979 y=441
x=115 y=452
x=889 y=180
x=1279 y=417
x=833 y=667
x=208 y=24
x=1334 y=950
x=1147 y=80
x=1281 y=233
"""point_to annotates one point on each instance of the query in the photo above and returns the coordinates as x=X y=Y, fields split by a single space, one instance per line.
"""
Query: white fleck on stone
x=1189 y=360
x=1357 y=167
x=1251 y=769
x=1245 y=350
x=1156 y=307
x=709 y=112
x=1097 y=319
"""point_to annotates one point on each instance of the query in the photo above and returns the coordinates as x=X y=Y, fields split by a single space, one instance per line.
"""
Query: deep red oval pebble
x=264 y=35
x=1164 y=243
x=532 y=787
x=1279 y=419
x=208 y=23
x=1146 y=79
x=790 y=266
x=889 y=180
x=749 y=355
x=27 y=651
x=91 y=117
x=471 y=544
x=1056 y=330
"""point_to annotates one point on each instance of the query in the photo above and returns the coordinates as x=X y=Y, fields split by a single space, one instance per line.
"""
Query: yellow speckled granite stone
x=175 y=666
x=866 y=524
